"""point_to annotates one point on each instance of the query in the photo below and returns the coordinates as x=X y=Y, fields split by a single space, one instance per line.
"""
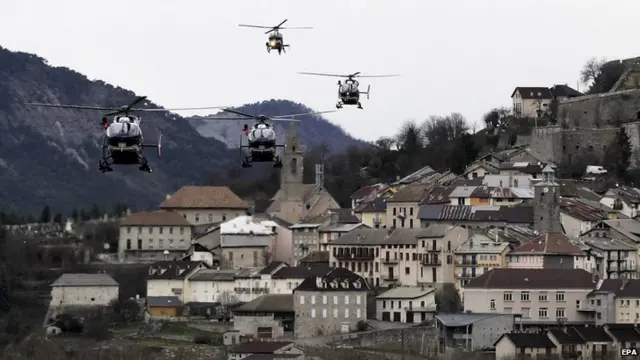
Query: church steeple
x=546 y=209
x=292 y=159
x=292 y=143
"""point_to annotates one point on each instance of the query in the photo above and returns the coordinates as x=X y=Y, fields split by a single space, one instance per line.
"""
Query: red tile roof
x=549 y=244
x=155 y=218
x=204 y=197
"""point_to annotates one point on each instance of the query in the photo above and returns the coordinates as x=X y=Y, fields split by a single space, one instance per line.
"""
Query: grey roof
x=482 y=244
x=248 y=273
x=511 y=214
x=607 y=244
x=85 y=280
x=454 y=320
x=628 y=227
x=367 y=236
x=462 y=191
x=213 y=275
x=339 y=227
x=268 y=303
x=423 y=174
x=163 y=301
x=405 y=292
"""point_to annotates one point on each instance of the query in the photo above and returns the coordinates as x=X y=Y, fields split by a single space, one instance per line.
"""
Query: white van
x=596 y=170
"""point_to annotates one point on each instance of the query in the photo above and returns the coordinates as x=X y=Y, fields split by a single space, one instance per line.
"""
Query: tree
x=464 y=152
x=74 y=214
x=601 y=74
x=497 y=118
x=94 y=213
x=45 y=215
x=58 y=219
x=617 y=156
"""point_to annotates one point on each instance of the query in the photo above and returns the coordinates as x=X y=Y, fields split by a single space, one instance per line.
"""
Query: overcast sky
x=453 y=56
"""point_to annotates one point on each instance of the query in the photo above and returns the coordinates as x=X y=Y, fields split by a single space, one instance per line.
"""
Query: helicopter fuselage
x=276 y=42
x=123 y=144
x=348 y=94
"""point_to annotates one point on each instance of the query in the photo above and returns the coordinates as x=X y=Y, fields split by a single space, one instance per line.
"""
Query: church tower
x=292 y=160
x=546 y=213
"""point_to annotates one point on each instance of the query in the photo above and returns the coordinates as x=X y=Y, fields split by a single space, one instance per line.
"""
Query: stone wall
x=248 y=325
x=594 y=111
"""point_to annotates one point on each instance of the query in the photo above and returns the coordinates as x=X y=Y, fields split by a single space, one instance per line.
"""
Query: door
x=344 y=328
x=265 y=332
x=409 y=317
x=386 y=316
x=473 y=260
x=396 y=316
x=424 y=316
x=391 y=273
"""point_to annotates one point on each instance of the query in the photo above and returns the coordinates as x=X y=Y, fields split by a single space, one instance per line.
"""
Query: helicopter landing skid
x=359 y=105
x=339 y=106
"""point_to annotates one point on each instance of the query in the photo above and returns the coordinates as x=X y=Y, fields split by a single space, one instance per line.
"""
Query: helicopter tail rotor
x=160 y=145
x=368 y=91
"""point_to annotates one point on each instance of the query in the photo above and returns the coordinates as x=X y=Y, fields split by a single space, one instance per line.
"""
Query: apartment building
x=614 y=259
x=407 y=257
x=477 y=256
x=551 y=250
x=145 y=236
x=403 y=206
x=541 y=296
x=246 y=243
x=169 y=278
x=616 y=301
x=205 y=204
x=406 y=304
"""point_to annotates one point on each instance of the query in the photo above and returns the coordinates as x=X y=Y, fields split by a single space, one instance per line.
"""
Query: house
x=246 y=243
x=283 y=245
x=425 y=175
x=402 y=207
x=541 y=296
x=147 y=235
x=212 y=286
x=626 y=230
x=256 y=350
x=568 y=341
x=84 y=290
x=509 y=180
x=478 y=255
x=616 y=301
x=437 y=195
x=365 y=194
x=296 y=200
x=316 y=259
x=333 y=303
x=624 y=336
x=623 y=199
x=516 y=345
x=614 y=259
x=477 y=216
x=472 y=332
x=531 y=101
x=550 y=251
x=407 y=257
x=407 y=304
x=479 y=169
x=373 y=213
x=564 y=92
x=205 y=204
x=169 y=278
x=287 y=278
x=267 y=317
x=484 y=195
x=533 y=170
x=197 y=252
x=164 y=306
x=250 y=283
x=577 y=217
x=332 y=231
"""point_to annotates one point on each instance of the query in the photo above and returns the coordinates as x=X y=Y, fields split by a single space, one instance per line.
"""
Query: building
x=296 y=200
x=84 y=290
x=624 y=199
x=202 y=205
x=169 y=278
x=485 y=195
x=164 y=306
x=268 y=316
x=261 y=350
x=513 y=345
x=147 y=235
x=626 y=230
x=477 y=216
x=472 y=331
x=541 y=296
x=405 y=304
x=533 y=170
x=614 y=259
x=550 y=251
x=197 y=252
x=531 y=102
x=212 y=286
x=479 y=169
x=564 y=92
x=245 y=243
x=330 y=232
x=577 y=217
x=477 y=256
x=373 y=213
x=365 y=194
x=402 y=207
x=316 y=259
x=616 y=301
x=407 y=257
x=330 y=304
x=547 y=206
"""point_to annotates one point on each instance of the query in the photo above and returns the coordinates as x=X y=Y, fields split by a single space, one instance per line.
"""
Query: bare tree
x=591 y=70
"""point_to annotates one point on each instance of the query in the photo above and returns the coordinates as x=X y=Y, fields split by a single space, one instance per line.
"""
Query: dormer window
x=345 y=284
x=357 y=284
x=334 y=284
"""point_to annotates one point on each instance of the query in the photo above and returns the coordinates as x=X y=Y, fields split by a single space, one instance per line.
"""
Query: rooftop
x=367 y=236
x=85 y=280
x=554 y=243
x=482 y=244
x=155 y=218
x=268 y=303
x=507 y=278
x=204 y=197
x=245 y=225
x=405 y=292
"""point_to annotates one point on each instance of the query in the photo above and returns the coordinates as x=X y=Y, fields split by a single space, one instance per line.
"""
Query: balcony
x=388 y=277
x=586 y=308
x=426 y=260
x=389 y=261
x=571 y=353
x=355 y=256
x=434 y=249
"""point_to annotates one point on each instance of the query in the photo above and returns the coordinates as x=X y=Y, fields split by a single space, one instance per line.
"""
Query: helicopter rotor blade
x=181 y=109
x=322 y=74
x=282 y=23
x=377 y=76
x=303 y=114
x=255 y=26
x=223 y=118
x=79 y=107
x=239 y=113
x=297 y=28
x=135 y=102
x=279 y=119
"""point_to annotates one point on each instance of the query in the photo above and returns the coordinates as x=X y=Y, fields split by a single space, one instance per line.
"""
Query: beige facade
x=83 y=295
x=507 y=350
x=403 y=214
x=527 y=105
x=406 y=304
x=373 y=219
x=209 y=216
x=168 y=287
x=627 y=310
x=246 y=256
x=477 y=256
x=202 y=205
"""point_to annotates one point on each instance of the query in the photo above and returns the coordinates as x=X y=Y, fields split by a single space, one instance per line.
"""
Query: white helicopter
x=122 y=143
x=261 y=138
x=348 y=92
x=275 y=41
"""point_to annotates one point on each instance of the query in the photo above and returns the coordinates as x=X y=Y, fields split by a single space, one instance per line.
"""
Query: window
x=160 y=230
x=358 y=300
x=493 y=304
x=508 y=296
x=335 y=300
x=313 y=299
x=129 y=230
x=128 y=244
x=346 y=299
x=524 y=296
x=150 y=230
x=170 y=243
x=324 y=313
x=289 y=285
x=346 y=313
x=542 y=313
x=181 y=231
x=358 y=313
x=210 y=217
x=526 y=313
x=560 y=296
x=335 y=313
x=197 y=217
x=543 y=296
x=407 y=270
x=170 y=230
x=313 y=312
x=324 y=299
x=384 y=304
x=301 y=300
x=560 y=313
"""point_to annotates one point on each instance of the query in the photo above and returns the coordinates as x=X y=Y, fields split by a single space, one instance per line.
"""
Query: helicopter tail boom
x=366 y=92
x=157 y=146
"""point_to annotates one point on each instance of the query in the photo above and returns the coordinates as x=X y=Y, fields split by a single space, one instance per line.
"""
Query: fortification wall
x=600 y=110
x=586 y=141
x=547 y=142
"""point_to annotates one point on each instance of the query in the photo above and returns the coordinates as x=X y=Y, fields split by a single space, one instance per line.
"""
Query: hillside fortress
x=587 y=124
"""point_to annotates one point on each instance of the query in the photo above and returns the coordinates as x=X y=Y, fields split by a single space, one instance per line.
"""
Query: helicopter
x=261 y=137
x=122 y=143
x=275 y=41
x=348 y=92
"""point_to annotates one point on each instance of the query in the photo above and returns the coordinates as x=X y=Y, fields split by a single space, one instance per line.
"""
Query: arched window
x=294 y=166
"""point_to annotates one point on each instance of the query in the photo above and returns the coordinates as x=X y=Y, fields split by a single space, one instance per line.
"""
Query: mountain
x=50 y=156
x=311 y=128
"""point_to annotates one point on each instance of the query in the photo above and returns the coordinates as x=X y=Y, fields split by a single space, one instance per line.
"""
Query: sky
x=462 y=56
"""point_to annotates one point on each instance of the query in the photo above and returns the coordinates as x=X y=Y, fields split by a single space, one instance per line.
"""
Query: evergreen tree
x=74 y=214
x=45 y=215
x=464 y=152
x=58 y=219
x=83 y=215
x=617 y=157
x=94 y=213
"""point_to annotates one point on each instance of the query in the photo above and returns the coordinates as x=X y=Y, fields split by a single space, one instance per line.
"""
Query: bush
x=203 y=339
x=362 y=325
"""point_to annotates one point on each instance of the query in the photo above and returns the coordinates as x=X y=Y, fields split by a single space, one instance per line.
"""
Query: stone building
x=268 y=316
x=546 y=211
